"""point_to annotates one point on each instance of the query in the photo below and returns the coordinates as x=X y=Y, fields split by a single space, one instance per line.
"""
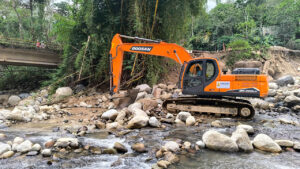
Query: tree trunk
x=14 y=6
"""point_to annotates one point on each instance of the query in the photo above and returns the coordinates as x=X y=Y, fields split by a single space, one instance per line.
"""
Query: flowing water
x=153 y=138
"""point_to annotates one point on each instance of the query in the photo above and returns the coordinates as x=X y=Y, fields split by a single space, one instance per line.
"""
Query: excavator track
x=224 y=106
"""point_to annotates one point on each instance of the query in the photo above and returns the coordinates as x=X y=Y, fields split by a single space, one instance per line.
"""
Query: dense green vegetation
x=84 y=30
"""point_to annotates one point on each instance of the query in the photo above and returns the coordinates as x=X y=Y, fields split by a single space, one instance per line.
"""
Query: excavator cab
x=197 y=74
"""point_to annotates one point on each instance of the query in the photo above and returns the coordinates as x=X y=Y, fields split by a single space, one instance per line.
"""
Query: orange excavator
x=205 y=88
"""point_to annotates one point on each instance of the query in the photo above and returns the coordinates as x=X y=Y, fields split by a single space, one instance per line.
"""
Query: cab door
x=193 y=78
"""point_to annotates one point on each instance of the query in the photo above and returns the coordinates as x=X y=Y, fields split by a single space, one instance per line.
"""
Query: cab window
x=210 y=70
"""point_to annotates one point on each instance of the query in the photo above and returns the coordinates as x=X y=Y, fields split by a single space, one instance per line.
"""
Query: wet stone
x=32 y=153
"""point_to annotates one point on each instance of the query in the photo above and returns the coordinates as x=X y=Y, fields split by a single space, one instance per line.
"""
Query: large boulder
x=110 y=114
x=291 y=101
x=144 y=88
x=148 y=104
x=25 y=146
x=4 y=148
x=64 y=92
x=183 y=116
x=285 y=80
x=138 y=122
x=14 y=100
x=21 y=113
x=241 y=138
x=265 y=143
x=217 y=141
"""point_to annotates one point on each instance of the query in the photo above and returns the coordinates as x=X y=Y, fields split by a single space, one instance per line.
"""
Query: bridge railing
x=27 y=44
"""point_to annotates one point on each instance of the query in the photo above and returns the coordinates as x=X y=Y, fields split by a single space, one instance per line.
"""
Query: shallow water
x=154 y=139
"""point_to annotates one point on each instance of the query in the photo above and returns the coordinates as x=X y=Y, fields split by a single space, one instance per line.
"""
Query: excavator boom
x=152 y=47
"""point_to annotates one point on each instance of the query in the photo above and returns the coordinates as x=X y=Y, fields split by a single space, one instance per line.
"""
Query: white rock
x=14 y=100
x=110 y=114
x=200 y=144
x=183 y=116
x=134 y=106
x=154 y=122
x=249 y=129
x=46 y=152
x=138 y=122
x=144 y=88
x=296 y=146
x=4 y=148
x=292 y=101
x=7 y=154
x=265 y=143
x=140 y=95
x=187 y=145
x=172 y=146
x=112 y=126
x=241 y=138
x=190 y=121
x=63 y=92
x=36 y=147
x=217 y=141
x=18 y=140
x=3 y=113
x=285 y=143
x=273 y=85
x=64 y=142
x=24 y=146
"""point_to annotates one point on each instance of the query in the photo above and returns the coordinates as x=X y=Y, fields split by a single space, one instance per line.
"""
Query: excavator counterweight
x=207 y=89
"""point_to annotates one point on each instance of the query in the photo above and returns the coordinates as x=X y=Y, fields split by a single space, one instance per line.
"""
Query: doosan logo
x=141 y=48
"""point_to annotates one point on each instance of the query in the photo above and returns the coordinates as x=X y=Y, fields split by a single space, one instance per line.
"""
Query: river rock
x=148 y=104
x=217 y=141
x=163 y=163
x=265 y=143
x=272 y=93
x=134 y=106
x=292 y=100
x=273 y=85
x=216 y=123
x=113 y=126
x=36 y=147
x=78 y=88
x=3 y=98
x=138 y=122
x=100 y=125
x=172 y=158
x=65 y=142
x=183 y=116
x=249 y=129
x=241 y=138
x=169 y=116
x=121 y=116
x=296 y=146
x=14 y=100
x=7 y=154
x=63 y=92
x=46 y=152
x=18 y=140
x=110 y=114
x=285 y=80
x=157 y=92
x=296 y=92
x=154 y=122
x=144 y=88
x=109 y=151
x=24 y=146
x=166 y=96
x=172 y=146
x=200 y=144
x=190 y=121
x=49 y=143
x=285 y=143
x=187 y=145
x=120 y=147
x=139 y=147
x=32 y=153
x=4 y=148
x=3 y=113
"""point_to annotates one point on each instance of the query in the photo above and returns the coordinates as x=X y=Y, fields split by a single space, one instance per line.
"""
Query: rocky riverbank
x=77 y=114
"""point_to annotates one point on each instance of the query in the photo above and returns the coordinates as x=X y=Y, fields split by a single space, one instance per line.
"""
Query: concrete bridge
x=25 y=53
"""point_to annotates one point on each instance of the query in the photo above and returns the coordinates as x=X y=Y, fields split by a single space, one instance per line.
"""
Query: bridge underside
x=28 y=57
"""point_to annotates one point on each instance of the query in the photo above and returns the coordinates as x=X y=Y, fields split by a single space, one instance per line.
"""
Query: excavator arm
x=150 y=47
